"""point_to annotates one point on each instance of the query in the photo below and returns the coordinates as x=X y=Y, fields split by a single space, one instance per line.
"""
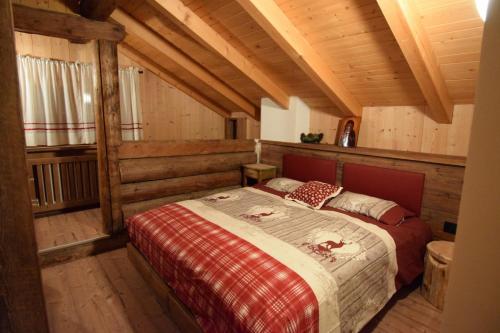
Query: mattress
x=249 y=261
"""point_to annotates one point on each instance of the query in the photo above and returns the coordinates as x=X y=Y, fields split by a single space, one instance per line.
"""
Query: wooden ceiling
x=335 y=55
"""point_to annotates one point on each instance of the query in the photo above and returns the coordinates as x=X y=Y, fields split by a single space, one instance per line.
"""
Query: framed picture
x=348 y=132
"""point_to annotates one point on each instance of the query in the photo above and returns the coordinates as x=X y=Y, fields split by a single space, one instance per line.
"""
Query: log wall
x=159 y=172
x=443 y=174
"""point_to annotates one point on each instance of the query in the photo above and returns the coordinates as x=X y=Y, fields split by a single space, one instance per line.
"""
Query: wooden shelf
x=393 y=154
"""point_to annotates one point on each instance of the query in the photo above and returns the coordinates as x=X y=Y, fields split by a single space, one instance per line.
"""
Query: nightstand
x=258 y=172
x=437 y=269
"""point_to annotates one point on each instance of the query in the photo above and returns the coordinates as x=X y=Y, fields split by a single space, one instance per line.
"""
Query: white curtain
x=57 y=101
x=130 y=104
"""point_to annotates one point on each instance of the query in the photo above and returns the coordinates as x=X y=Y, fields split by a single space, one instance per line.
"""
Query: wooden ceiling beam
x=68 y=26
x=133 y=27
x=207 y=36
x=404 y=21
x=276 y=24
x=99 y=10
x=163 y=74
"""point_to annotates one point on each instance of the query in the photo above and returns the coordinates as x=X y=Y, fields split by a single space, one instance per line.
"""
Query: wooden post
x=108 y=66
x=22 y=307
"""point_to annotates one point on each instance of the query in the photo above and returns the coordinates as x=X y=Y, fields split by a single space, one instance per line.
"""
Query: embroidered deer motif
x=325 y=249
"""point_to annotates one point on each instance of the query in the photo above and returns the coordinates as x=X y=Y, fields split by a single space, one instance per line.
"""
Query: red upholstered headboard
x=306 y=168
x=403 y=187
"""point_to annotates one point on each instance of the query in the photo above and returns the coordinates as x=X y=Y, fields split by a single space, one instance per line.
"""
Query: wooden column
x=22 y=307
x=108 y=66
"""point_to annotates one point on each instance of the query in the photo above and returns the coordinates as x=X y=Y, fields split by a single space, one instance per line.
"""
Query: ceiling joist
x=207 y=36
x=405 y=24
x=271 y=19
x=137 y=29
x=154 y=68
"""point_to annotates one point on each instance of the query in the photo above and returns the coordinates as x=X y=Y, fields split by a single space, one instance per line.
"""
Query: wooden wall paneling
x=127 y=56
x=443 y=182
x=324 y=122
x=169 y=114
x=22 y=307
x=143 y=149
x=108 y=63
x=54 y=48
x=144 y=169
x=408 y=128
x=449 y=139
x=134 y=192
x=77 y=28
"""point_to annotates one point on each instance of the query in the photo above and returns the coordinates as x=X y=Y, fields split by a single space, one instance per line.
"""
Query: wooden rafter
x=137 y=29
x=72 y=27
x=271 y=19
x=207 y=36
x=156 y=69
x=405 y=24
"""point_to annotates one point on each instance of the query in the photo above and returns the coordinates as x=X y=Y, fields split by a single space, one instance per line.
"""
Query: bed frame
x=357 y=177
x=176 y=310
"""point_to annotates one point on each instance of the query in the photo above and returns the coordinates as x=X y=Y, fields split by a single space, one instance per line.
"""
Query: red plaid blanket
x=228 y=283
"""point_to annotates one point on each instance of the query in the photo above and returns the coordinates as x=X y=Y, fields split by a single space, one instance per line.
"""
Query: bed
x=249 y=261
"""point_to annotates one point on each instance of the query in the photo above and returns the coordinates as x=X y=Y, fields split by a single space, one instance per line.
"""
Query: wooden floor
x=68 y=228
x=105 y=293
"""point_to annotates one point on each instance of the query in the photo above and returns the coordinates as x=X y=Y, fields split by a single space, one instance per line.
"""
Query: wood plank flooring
x=105 y=293
x=68 y=228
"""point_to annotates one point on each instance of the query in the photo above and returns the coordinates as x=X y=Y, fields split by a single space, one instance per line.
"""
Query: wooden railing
x=62 y=177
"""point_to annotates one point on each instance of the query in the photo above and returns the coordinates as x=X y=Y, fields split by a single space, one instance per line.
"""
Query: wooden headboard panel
x=307 y=168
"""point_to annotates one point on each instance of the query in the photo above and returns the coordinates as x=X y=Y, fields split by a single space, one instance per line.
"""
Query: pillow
x=284 y=184
x=313 y=194
x=385 y=211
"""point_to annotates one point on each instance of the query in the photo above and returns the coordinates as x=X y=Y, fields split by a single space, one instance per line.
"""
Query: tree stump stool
x=437 y=267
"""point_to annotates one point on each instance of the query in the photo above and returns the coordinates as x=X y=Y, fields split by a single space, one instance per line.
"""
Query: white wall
x=473 y=298
x=280 y=124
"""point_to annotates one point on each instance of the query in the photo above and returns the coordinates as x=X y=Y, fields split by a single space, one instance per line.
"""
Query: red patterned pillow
x=313 y=194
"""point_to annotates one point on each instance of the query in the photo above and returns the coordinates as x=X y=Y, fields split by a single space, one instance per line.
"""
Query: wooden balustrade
x=62 y=177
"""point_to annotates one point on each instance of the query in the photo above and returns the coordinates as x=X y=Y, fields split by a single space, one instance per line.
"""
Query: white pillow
x=284 y=184
x=362 y=204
